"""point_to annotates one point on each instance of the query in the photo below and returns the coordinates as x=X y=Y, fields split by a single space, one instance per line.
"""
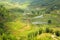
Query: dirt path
x=54 y=37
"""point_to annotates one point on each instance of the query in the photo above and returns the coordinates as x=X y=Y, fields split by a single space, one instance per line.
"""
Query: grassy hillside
x=21 y=22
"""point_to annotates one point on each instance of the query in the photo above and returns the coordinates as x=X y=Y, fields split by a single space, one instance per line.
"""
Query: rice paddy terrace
x=18 y=23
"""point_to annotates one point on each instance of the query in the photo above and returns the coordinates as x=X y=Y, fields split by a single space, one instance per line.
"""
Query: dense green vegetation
x=29 y=23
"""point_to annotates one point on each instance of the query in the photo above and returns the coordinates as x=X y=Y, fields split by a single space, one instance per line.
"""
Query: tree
x=3 y=13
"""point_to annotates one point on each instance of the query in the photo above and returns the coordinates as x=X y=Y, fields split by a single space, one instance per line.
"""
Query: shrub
x=40 y=31
x=35 y=34
x=49 y=21
x=57 y=33
x=47 y=30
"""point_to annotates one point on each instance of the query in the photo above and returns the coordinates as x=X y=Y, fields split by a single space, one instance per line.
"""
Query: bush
x=35 y=34
x=49 y=21
x=40 y=31
x=47 y=30
x=57 y=33
x=1 y=31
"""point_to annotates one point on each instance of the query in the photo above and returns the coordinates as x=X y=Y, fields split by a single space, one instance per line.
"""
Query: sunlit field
x=30 y=20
